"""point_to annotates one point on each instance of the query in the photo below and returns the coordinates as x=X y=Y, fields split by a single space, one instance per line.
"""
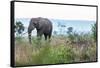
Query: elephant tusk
x=24 y=33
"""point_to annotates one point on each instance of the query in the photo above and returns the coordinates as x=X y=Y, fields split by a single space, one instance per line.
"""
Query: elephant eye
x=34 y=23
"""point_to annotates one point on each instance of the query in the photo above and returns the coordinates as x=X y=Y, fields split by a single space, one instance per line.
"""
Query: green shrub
x=52 y=53
x=94 y=29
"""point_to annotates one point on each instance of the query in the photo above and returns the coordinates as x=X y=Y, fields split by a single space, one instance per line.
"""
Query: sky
x=69 y=12
x=78 y=25
x=78 y=17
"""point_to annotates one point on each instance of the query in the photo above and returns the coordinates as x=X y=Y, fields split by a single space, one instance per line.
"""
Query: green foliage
x=72 y=36
x=19 y=27
x=70 y=30
x=56 y=51
x=75 y=37
x=61 y=54
x=18 y=39
x=94 y=31
x=55 y=33
x=60 y=49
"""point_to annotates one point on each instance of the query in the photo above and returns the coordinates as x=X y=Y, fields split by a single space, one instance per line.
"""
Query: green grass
x=58 y=50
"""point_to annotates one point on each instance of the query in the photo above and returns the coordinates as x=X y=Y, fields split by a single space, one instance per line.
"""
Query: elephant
x=43 y=27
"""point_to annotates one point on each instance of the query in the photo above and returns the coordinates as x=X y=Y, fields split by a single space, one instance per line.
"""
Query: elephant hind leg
x=49 y=36
x=45 y=35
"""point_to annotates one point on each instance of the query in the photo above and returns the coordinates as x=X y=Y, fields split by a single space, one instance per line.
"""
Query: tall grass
x=58 y=50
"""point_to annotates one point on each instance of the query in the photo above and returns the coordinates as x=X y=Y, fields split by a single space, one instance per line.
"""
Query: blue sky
x=78 y=25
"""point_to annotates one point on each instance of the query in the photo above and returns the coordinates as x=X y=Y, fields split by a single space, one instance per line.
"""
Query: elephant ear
x=34 y=21
x=39 y=24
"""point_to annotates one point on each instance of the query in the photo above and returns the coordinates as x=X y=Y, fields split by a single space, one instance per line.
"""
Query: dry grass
x=59 y=50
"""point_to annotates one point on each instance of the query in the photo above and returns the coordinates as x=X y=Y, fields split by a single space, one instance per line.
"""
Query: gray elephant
x=43 y=27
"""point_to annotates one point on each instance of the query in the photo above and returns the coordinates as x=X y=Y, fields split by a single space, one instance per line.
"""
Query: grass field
x=61 y=49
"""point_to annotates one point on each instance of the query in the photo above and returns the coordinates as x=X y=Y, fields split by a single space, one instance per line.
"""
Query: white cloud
x=28 y=10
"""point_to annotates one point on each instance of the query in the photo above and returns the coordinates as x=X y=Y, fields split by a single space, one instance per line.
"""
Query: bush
x=52 y=53
x=94 y=31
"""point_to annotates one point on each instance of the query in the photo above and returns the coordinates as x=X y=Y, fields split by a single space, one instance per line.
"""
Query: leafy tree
x=61 y=27
x=94 y=31
x=55 y=32
x=19 y=28
x=70 y=33
x=70 y=30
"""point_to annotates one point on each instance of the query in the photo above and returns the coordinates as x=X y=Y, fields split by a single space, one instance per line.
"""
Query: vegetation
x=59 y=50
x=94 y=31
x=73 y=47
x=19 y=28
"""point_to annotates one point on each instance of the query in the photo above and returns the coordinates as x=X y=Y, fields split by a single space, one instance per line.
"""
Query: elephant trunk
x=29 y=35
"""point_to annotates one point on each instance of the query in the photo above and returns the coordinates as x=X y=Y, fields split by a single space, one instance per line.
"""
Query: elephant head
x=34 y=23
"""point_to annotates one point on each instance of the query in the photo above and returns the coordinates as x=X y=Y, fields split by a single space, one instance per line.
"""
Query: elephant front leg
x=39 y=35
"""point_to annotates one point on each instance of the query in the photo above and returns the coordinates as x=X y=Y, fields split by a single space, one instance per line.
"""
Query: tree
x=61 y=27
x=70 y=33
x=55 y=32
x=19 y=28
x=70 y=30
x=94 y=31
